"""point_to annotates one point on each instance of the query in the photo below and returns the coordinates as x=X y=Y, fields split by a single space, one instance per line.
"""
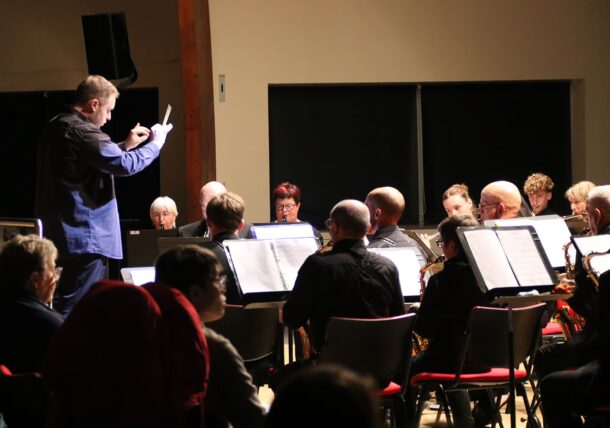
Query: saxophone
x=434 y=266
x=593 y=273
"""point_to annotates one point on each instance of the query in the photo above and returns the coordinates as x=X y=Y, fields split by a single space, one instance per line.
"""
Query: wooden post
x=198 y=87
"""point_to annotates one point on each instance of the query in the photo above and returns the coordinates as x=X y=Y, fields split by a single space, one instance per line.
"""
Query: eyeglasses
x=327 y=223
x=287 y=207
x=483 y=207
x=221 y=282
x=57 y=273
x=440 y=243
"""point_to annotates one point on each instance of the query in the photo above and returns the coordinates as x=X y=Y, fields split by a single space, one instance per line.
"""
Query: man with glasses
x=500 y=199
x=28 y=278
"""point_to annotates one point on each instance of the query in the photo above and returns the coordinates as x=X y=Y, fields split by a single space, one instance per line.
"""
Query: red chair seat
x=493 y=375
x=551 y=328
x=392 y=389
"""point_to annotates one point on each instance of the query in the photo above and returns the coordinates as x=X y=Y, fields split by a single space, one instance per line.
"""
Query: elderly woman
x=28 y=277
x=286 y=202
x=163 y=213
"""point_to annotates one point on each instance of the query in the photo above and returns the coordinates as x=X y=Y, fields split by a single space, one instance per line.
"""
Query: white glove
x=159 y=134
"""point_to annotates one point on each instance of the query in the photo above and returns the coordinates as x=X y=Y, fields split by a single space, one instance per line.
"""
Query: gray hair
x=352 y=217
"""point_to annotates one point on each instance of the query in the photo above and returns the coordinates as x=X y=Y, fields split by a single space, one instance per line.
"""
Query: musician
x=577 y=196
x=579 y=350
x=500 y=199
x=386 y=205
x=457 y=201
x=225 y=218
x=347 y=281
x=200 y=228
x=538 y=188
x=163 y=213
x=287 y=202
x=443 y=314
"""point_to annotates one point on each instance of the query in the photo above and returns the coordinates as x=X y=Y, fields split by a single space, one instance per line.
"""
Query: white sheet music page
x=592 y=244
x=600 y=263
x=408 y=266
x=490 y=258
x=524 y=257
x=255 y=265
x=291 y=253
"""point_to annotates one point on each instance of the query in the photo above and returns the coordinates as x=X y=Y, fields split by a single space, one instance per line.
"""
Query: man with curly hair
x=538 y=188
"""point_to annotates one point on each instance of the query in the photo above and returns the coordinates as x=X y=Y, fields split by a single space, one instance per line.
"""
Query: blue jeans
x=80 y=272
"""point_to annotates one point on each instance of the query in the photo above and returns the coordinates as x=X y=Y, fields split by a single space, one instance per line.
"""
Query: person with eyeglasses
x=231 y=397
x=287 y=202
x=28 y=277
x=501 y=199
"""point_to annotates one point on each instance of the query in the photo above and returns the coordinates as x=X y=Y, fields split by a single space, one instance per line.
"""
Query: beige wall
x=257 y=42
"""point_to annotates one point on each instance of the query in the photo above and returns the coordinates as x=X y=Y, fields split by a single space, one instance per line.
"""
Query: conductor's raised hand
x=136 y=136
x=159 y=134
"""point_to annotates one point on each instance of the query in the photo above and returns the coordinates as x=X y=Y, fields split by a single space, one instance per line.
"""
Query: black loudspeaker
x=107 y=46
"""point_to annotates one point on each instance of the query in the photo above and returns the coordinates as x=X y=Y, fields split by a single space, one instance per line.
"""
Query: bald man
x=347 y=281
x=386 y=205
x=200 y=228
x=500 y=199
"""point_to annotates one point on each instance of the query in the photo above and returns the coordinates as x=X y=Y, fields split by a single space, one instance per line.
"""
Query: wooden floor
x=429 y=415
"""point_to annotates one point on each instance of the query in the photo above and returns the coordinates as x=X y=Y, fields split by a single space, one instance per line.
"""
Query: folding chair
x=380 y=348
x=487 y=344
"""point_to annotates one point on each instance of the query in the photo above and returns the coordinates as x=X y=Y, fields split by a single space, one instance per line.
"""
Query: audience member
x=163 y=213
x=500 y=199
x=118 y=361
x=325 y=396
x=225 y=218
x=457 y=201
x=231 y=397
x=386 y=205
x=200 y=228
x=538 y=188
x=28 y=277
x=346 y=281
x=579 y=350
x=577 y=196
x=443 y=314
x=75 y=195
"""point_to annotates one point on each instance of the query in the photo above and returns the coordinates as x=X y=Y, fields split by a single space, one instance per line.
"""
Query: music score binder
x=551 y=230
x=598 y=244
x=266 y=269
x=507 y=260
x=405 y=259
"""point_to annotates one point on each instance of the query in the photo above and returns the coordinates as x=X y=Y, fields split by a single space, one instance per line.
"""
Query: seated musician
x=443 y=314
x=386 y=205
x=347 y=281
x=163 y=213
x=457 y=201
x=577 y=196
x=225 y=218
x=287 y=202
x=579 y=350
x=538 y=188
x=500 y=199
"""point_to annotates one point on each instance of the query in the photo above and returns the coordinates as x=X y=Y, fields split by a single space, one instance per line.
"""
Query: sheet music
x=552 y=231
x=600 y=263
x=283 y=230
x=524 y=258
x=490 y=258
x=291 y=253
x=592 y=244
x=138 y=275
x=406 y=261
x=255 y=265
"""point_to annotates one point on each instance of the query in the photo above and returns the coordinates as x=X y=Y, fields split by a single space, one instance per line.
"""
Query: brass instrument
x=435 y=266
x=325 y=248
x=593 y=273
x=569 y=265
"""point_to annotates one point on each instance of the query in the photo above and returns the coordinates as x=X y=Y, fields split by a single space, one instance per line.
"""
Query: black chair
x=254 y=333
x=486 y=343
x=380 y=348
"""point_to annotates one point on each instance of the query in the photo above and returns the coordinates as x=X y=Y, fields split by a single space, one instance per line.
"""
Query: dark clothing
x=347 y=281
x=26 y=328
x=233 y=292
x=392 y=236
x=231 y=397
x=444 y=311
x=75 y=188
x=546 y=211
x=80 y=272
x=200 y=229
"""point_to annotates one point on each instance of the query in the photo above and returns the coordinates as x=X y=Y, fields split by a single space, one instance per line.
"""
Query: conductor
x=75 y=195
